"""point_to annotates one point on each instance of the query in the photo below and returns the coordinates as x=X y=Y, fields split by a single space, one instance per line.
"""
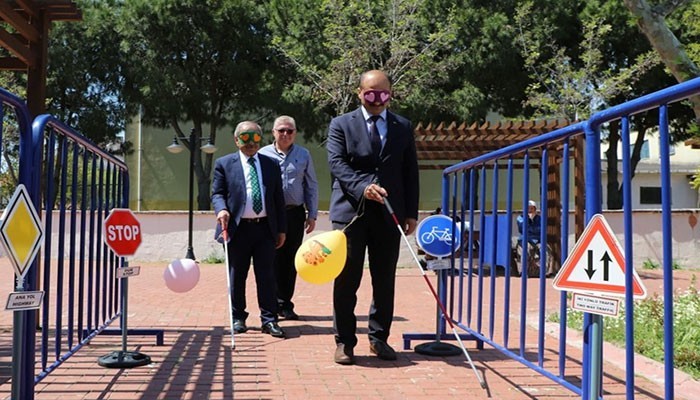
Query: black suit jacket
x=228 y=192
x=354 y=166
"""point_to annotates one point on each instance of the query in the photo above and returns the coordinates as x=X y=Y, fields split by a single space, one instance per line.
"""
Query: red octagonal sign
x=122 y=232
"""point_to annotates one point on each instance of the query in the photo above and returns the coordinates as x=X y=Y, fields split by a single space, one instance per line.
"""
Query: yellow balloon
x=321 y=258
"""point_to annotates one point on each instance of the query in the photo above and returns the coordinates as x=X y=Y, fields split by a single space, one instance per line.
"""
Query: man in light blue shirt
x=301 y=197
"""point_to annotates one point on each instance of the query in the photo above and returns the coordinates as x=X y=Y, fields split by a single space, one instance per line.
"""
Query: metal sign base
x=439 y=349
x=123 y=359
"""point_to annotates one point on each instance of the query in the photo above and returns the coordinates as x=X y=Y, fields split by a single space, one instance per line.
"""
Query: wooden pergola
x=443 y=145
x=25 y=36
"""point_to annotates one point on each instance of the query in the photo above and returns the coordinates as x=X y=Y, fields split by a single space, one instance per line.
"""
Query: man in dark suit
x=372 y=156
x=249 y=204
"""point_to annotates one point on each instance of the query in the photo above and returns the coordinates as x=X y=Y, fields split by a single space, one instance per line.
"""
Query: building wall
x=160 y=179
x=684 y=162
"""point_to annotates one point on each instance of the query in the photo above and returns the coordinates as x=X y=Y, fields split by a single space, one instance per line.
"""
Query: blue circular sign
x=435 y=236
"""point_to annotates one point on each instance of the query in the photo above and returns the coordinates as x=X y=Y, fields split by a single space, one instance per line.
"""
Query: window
x=644 y=153
x=649 y=195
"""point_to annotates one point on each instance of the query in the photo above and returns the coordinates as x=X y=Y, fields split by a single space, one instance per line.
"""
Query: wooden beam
x=17 y=48
x=28 y=7
x=12 y=64
x=36 y=76
x=18 y=22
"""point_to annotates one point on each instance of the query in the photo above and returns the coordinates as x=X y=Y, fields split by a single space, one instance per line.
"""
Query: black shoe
x=239 y=326
x=382 y=350
x=344 y=355
x=288 y=315
x=273 y=329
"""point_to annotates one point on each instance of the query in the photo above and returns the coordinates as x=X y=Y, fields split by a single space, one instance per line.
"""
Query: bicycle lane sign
x=435 y=236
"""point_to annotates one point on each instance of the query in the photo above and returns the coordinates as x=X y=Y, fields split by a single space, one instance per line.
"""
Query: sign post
x=435 y=235
x=594 y=270
x=21 y=234
x=122 y=233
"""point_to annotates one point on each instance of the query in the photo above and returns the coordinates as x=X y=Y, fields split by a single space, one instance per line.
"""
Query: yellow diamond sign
x=21 y=231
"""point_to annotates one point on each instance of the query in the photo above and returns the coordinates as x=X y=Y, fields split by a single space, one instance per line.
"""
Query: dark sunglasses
x=285 y=131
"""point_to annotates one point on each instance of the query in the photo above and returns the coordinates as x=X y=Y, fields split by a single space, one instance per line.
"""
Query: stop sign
x=122 y=232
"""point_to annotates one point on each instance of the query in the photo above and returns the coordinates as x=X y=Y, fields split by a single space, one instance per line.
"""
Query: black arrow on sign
x=589 y=270
x=606 y=265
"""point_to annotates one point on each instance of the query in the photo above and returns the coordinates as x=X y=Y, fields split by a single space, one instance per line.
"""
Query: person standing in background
x=301 y=199
x=372 y=156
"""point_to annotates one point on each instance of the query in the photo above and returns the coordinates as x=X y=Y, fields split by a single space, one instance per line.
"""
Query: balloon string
x=360 y=213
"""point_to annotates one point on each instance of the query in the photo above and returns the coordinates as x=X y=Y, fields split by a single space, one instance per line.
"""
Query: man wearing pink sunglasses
x=372 y=156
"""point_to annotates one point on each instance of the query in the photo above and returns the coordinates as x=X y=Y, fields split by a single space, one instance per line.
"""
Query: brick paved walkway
x=197 y=362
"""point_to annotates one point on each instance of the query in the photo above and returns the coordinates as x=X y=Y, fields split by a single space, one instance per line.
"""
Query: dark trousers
x=285 y=271
x=373 y=234
x=253 y=240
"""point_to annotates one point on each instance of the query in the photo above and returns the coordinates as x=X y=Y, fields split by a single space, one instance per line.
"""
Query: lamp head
x=175 y=147
x=209 y=148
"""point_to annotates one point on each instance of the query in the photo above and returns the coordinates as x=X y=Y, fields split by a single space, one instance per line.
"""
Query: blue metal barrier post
x=592 y=323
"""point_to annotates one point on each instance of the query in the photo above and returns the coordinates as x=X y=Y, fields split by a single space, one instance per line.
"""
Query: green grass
x=651 y=264
x=214 y=258
x=649 y=329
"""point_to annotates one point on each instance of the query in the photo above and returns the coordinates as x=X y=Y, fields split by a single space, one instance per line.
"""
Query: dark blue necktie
x=374 y=135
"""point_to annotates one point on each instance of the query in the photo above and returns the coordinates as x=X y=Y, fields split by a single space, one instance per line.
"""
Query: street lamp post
x=176 y=148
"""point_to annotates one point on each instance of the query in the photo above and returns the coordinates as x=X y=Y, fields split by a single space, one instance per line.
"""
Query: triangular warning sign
x=597 y=264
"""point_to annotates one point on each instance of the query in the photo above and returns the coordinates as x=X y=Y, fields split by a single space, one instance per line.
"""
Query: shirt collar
x=367 y=115
x=289 y=150
x=245 y=157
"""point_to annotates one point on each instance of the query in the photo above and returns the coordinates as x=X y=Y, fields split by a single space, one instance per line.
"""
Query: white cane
x=435 y=295
x=228 y=285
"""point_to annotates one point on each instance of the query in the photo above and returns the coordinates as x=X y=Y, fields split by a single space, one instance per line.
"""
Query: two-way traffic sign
x=597 y=264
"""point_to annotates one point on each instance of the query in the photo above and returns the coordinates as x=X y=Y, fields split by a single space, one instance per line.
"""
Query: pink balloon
x=181 y=275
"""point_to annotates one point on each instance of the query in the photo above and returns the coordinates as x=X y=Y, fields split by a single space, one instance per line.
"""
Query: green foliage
x=650 y=264
x=85 y=81
x=445 y=60
x=214 y=258
x=649 y=329
x=689 y=23
x=695 y=182
x=195 y=61
x=575 y=84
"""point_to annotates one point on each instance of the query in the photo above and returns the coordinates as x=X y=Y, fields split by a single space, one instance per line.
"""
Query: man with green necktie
x=248 y=201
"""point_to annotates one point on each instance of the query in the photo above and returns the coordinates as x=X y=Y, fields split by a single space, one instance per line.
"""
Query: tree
x=85 y=80
x=610 y=68
x=205 y=62
x=574 y=85
x=330 y=51
x=652 y=21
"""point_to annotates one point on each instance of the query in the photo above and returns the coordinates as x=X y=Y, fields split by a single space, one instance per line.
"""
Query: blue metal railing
x=81 y=183
x=466 y=196
x=73 y=184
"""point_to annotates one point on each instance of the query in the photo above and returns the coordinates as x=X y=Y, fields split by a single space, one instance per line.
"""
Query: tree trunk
x=653 y=24
x=203 y=197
